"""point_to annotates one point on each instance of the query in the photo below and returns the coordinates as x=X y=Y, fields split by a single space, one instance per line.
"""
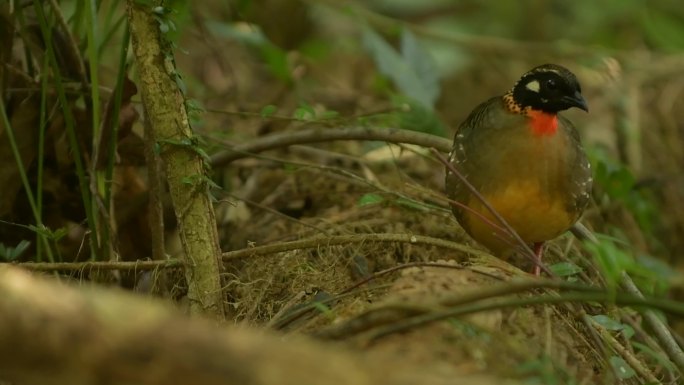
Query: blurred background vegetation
x=250 y=68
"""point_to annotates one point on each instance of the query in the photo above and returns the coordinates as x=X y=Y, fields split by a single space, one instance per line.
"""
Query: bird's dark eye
x=551 y=84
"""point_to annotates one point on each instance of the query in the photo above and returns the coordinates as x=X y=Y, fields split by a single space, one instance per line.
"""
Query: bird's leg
x=538 y=252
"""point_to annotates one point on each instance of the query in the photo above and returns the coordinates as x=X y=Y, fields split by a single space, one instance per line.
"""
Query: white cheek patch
x=533 y=86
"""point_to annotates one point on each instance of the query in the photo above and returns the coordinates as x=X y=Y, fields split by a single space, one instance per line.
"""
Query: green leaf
x=659 y=357
x=181 y=84
x=304 y=112
x=611 y=260
x=324 y=309
x=613 y=325
x=565 y=269
x=53 y=235
x=195 y=109
x=628 y=331
x=411 y=204
x=268 y=111
x=607 y=322
x=329 y=115
x=211 y=185
x=163 y=26
x=194 y=180
x=370 y=199
x=59 y=233
x=620 y=183
x=409 y=77
x=276 y=59
x=615 y=179
x=21 y=247
x=623 y=370
x=9 y=253
x=316 y=48
x=201 y=152
x=289 y=167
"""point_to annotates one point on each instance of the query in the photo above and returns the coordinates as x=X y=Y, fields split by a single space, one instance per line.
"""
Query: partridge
x=525 y=159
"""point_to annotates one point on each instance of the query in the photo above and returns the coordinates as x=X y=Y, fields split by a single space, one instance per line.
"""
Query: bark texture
x=166 y=113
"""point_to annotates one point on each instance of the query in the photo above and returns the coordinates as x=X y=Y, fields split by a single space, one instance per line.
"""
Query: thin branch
x=642 y=335
x=356 y=179
x=485 y=299
x=311 y=243
x=662 y=333
x=397 y=268
x=279 y=214
x=99 y=265
x=600 y=347
x=320 y=133
x=605 y=297
x=627 y=355
x=73 y=46
x=316 y=242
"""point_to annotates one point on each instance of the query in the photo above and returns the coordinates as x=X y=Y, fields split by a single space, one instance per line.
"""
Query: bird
x=526 y=160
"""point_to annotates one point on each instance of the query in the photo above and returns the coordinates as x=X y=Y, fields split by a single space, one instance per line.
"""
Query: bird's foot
x=538 y=252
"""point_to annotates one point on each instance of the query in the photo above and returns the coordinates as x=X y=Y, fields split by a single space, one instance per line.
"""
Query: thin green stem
x=111 y=151
x=111 y=31
x=98 y=185
x=69 y=122
x=17 y=158
x=41 y=162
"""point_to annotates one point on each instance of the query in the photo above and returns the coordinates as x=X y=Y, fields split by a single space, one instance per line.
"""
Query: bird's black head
x=549 y=88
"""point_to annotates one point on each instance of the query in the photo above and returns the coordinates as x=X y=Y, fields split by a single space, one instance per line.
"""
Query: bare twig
x=73 y=46
x=627 y=355
x=620 y=299
x=662 y=333
x=279 y=214
x=256 y=251
x=397 y=268
x=648 y=339
x=319 y=133
x=316 y=242
x=99 y=265
x=489 y=298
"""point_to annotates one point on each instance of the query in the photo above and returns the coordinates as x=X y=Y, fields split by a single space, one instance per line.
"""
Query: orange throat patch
x=542 y=123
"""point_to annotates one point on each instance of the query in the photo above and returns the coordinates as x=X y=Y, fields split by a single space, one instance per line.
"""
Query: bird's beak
x=577 y=100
